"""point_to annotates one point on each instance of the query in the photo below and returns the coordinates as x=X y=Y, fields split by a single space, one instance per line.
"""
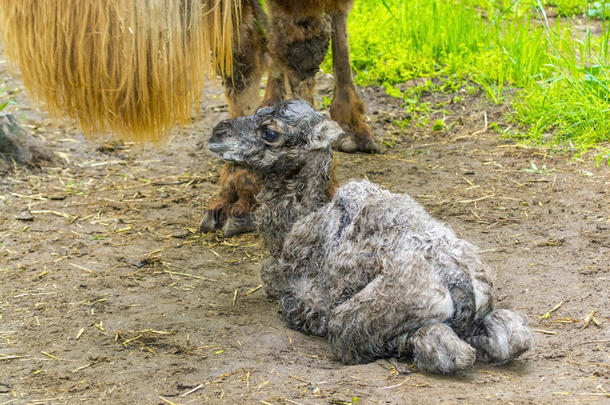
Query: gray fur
x=369 y=269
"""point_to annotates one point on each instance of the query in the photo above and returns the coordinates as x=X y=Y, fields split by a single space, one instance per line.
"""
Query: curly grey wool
x=369 y=269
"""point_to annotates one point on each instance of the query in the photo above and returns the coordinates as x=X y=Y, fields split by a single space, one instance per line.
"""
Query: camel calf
x=369 y=269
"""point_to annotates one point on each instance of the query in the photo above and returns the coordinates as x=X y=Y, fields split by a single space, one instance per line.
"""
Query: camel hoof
x=369 y=145
x=238 y=225
x=208 y=223
x=353 y=143
x=347 y=145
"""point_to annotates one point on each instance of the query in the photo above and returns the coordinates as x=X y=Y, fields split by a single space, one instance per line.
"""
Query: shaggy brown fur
x=242 y=84
x=298 y=40
x=298 y=47
x=131 y=67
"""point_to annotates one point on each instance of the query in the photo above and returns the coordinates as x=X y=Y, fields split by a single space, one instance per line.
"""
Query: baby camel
x=369 y=269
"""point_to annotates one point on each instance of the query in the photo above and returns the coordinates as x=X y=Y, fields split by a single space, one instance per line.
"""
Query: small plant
x=393 y=91
x=596 y=82
x=391 y=142
x=534 y=169
x=599 y=10
x=603 y=159
x=73 y=188
x=402 y=124
x=5 y=94
x=326 y=101
x=439 y=125
x=493 y=91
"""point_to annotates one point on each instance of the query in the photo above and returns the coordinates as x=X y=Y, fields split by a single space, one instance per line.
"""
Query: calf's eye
x=270 y=135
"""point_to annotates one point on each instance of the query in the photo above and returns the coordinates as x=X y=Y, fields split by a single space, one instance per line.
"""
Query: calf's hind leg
x=394 y=317
x=437 y=349
x=304 y=306
x=501 y=336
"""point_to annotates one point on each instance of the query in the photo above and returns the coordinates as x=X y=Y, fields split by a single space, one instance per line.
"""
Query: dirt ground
x=108 y=294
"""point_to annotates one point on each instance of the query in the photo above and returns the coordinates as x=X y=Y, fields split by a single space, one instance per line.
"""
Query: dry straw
x=131 y=67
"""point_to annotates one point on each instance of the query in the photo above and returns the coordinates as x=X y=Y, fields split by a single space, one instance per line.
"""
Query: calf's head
x=274 y=139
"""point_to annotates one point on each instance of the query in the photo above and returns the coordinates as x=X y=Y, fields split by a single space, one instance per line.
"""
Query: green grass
x=562 y=73
x=568 y=7
x=5 y=95
x=573 y=103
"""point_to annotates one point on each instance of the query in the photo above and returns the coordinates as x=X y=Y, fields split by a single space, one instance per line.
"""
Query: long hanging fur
x=131 y=67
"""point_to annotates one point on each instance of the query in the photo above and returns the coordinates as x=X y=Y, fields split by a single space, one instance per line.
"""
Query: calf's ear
x=325 y=134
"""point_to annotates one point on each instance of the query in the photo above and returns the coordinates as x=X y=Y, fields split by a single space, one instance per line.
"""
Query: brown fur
x=333 y=183
x=301 y=8
x=249 y=61
x=134 y=67
x=298 y=41
x=240 y=188
x=298 y=47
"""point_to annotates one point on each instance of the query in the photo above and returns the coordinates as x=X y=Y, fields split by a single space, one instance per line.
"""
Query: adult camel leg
x=298 y=44
x=275 y=91
x=347 y=108
x=231 y=209
x=249 y=61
